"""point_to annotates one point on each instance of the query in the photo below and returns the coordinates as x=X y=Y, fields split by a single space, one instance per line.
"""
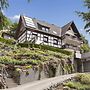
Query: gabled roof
x=33 y=23
x=67 y=26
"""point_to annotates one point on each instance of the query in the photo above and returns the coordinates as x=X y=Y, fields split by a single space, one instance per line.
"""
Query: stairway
x=10 y=83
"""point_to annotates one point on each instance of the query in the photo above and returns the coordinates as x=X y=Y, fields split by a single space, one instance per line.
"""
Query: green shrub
x=77 y=86
x=46 y=47
x=70 y=84
x=7 y=41
x=83 y=78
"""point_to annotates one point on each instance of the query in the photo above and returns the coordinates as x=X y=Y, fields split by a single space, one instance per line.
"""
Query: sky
x=58 y=12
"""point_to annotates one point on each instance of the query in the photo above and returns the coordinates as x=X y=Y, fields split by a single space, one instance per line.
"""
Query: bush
x=46 y=47
x=77 y=86
x=7 y=41
x=70 y=84
x=83 y=78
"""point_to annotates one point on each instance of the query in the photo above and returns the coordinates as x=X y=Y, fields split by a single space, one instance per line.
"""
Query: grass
x=22 y=55
x=82 y=82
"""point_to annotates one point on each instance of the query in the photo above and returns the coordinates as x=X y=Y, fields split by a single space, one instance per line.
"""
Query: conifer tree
x=86 y=15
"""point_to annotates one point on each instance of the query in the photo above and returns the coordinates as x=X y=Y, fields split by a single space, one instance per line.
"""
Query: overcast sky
x=57 y=12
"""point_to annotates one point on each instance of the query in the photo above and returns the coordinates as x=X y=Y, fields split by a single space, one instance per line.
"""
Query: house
x=43 y=32
x=32 y=29
x=71 y=37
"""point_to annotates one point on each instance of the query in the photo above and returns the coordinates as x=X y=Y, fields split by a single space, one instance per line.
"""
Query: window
x=44 y=28
x=67 y=35
x=47 y=30
x=45 y=39
x=34 y=35
x=55 y=41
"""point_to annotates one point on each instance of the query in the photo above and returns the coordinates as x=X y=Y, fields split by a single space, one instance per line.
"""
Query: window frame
x=55 y=41
x=45 y=39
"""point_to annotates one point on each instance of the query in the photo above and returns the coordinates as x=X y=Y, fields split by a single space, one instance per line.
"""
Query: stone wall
x=47 y=70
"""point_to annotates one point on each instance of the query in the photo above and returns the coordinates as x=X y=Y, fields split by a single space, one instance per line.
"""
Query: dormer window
x=44 y=28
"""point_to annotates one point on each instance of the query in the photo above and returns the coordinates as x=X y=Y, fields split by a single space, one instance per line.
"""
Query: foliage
x=85 y=48
x=7 y=41
x=4 y=22
x=82 y=82
x=77 y=85
x=13 y=28
x=28 y=67
x=46 y=47
x=85 y=41
x=86 y=15
x=83 y=78
x=4 y=4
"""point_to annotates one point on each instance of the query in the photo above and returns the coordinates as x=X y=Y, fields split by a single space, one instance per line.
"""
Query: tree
x=86 y=15
x=85 y=46
x=4 y=22
x=85 y=41
x=3 y=4
x=13 y=28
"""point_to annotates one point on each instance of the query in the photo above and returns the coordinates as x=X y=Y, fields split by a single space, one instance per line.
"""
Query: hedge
x=46 y=47
x=7 y=41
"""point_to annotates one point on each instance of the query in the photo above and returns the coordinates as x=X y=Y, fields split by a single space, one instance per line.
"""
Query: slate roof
x=66 y=27
x=53 y=29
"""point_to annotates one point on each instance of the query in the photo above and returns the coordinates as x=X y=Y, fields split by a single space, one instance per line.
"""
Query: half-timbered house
x=71 y=37
x=41 y=32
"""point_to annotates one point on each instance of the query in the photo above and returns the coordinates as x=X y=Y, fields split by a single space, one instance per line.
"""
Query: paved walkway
x=43 y=84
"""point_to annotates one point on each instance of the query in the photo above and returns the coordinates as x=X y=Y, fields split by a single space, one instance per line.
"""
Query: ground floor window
x=45 y=39
x=55 y=41
x=34 y=35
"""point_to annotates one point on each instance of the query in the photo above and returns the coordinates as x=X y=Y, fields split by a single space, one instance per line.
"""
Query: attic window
x=44 y=28
x=67 y=35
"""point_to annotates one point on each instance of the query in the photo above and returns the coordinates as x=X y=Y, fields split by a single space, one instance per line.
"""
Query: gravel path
x=43 y=84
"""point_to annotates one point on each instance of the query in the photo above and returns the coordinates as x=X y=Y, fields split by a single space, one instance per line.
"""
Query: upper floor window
x=73 y=37
x=67 y=35
x=55 y=41
x=44 y=28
